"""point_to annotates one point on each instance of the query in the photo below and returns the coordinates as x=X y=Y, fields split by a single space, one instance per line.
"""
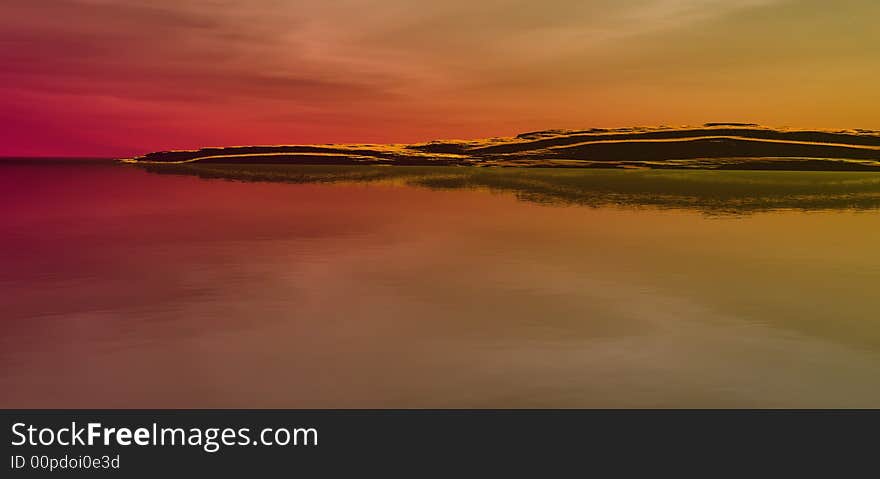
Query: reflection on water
x=738 y=192
x=125 y=288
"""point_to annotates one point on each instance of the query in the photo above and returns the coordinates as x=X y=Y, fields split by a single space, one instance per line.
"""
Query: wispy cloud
x=199 y=71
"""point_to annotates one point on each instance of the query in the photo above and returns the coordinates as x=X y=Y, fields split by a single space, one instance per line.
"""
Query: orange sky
x=116 y=78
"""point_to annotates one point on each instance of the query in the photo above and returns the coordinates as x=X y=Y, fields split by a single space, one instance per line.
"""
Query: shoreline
x=712 y=146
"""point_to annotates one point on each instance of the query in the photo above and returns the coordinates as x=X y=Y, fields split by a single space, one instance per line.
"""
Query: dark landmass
x=719 y=146
x=709 y=192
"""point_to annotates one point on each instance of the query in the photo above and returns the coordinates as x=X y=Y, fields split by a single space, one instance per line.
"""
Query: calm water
x=347 y=287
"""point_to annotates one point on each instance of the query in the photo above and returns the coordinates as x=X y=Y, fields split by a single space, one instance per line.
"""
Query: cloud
x=147 y=51
x=397 y=70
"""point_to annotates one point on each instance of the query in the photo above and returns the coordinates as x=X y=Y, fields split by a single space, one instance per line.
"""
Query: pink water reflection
x=127 y=289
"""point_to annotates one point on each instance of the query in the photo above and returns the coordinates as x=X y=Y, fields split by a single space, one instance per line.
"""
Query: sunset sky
x=123 y=77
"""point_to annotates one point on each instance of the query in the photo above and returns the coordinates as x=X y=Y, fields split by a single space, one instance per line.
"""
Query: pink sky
x=118 y=78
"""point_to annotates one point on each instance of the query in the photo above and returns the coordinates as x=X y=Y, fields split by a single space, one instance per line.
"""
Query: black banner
x=413 y=443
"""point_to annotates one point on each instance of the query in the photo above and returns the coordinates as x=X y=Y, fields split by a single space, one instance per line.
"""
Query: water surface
x=436 y=287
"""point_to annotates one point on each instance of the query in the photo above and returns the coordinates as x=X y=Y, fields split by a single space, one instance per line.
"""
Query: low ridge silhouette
x=742 y=146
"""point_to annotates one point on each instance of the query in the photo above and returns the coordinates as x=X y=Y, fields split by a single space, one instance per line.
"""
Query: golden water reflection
x=147 y=290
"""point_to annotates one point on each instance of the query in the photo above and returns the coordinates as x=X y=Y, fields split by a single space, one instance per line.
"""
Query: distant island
x=719 y=146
